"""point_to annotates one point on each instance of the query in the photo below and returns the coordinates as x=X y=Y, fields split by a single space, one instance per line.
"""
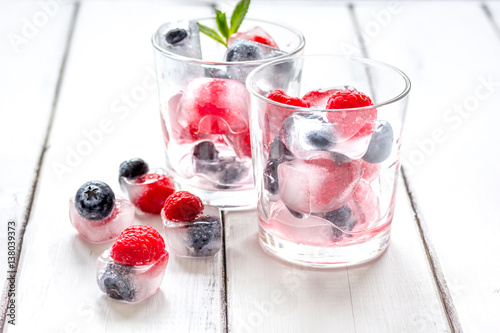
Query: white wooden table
x=77 y=97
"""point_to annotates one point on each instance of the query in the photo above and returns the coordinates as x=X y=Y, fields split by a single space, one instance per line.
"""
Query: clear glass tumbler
x=204 y=108
x=326 y=176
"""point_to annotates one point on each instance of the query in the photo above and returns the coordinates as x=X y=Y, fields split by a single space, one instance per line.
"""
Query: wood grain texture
x=110 y=58
x=449 y=148
x=33 y=44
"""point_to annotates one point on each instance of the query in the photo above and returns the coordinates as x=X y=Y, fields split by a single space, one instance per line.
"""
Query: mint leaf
x=211 y=33
x=222 y=24
x=239 y=13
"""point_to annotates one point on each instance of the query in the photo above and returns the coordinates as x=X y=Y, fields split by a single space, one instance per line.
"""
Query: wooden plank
x=32 y=48
x=110 y=60
x=452 y=60
x=393 y=294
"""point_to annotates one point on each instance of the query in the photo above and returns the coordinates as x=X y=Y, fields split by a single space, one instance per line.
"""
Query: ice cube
x=180 y=37
x=100 y=231
x=213 y=106
x=317 y=185
x=201 y=237
x=223 y=171
x=149 y=192
x=256 y=34
x=370 y=171
x=243 y=50
x=318 y=98
x=345 y=219
x=307 y=133
x=129 y=284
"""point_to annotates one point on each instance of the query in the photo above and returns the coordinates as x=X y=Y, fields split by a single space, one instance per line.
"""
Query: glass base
x=224 y=199
x=325 y=257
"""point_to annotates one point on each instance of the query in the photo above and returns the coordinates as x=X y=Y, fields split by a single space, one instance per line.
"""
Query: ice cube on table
x=201 y=237
x=256 y=34
x=129 y=284
x=213 y=106
x=180 y=37
x=100 y=231
x=317 y=185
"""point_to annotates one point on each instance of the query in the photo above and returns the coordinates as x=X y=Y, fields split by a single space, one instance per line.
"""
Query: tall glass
x=204 y=108
x=326 y=178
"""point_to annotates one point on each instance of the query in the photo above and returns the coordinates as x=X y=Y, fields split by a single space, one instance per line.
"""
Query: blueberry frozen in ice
x=132 y=168
x=132 y=269
x=180 y=37
x=192 y=229
x=380 y=146
x=97 y=214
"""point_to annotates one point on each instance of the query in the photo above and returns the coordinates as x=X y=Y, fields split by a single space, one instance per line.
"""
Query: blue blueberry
x=205 y=151
x=278 y=150
x=343 y=219
x=132 y=168
x=115 y=282
x=175 y=36
x=380 y=146
x=243 y=51
x=94 y=200
x=271 y=176
x=204 y=238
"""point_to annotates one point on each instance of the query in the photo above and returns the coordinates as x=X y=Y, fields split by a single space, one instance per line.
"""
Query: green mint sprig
x=225 y=30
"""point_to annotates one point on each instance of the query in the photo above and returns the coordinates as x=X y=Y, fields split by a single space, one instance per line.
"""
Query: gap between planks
x=437 y=273
x=490 y=18
x=31 y=196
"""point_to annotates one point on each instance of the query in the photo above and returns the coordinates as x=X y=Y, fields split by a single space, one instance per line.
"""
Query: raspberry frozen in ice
x=317 y=185
x=133 y=268
x=256 y=34
x=149 y=191
x=192 y=229
x=97 y=214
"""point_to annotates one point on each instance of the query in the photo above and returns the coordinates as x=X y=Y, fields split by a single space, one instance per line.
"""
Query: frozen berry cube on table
x=192 y=229
x=97 y=214
x=133 y=268
x=149 y=191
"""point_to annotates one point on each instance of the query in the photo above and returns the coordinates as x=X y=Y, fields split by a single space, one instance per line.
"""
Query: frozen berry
x=348 y=99
x=319 y=97
x=256 y=34
x=205 y=151
x=157 y=189
x=352 y=122
x=182 y=206
x=380 y=146
x=243 y=51
x=174 y=36
x=115 y=282
x=203 y=235
x=95 y=200
x=271 y=176
x=133 y=168
x=279 y=96
x=342 y=218
x=138 y=245
x=308 y=131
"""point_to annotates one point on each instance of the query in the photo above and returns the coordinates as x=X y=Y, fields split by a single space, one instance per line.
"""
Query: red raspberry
x=138 y=245
x=279 y=96
x=351 y=123
x=347 y=99
x=182 y=206
x=158 y=189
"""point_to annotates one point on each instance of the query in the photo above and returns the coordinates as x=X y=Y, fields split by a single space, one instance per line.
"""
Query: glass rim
x=368 y=61
x=299 y=48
